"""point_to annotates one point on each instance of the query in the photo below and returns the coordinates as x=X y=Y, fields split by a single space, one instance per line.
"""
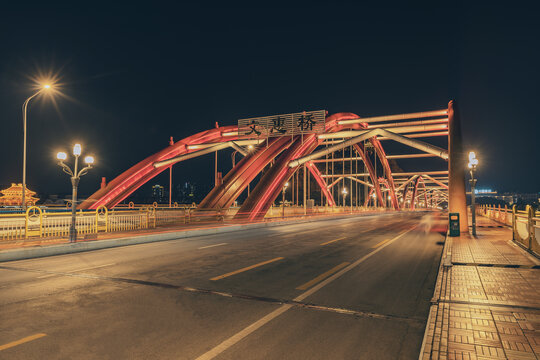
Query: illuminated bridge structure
x=348 y=154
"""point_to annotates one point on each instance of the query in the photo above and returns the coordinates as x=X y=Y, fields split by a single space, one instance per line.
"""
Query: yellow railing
x=44 y=223
x=525 y=224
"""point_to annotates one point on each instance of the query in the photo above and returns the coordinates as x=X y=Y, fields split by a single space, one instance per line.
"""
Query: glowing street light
x=45 y=87
x=283 y=198
x=473 y=162
x=75 y=175
x=344 y=192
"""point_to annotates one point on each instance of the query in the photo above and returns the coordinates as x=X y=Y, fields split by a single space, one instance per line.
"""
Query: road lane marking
x=243 y=333
x=322 y=277
x=210 y=246
x=21 y=341
x=283 y=308
x=246 y=269
x=83 y=269
x=381 y=243
x=349 y=268
x=331 y=241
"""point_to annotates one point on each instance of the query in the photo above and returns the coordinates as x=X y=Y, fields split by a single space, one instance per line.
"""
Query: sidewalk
x=486 y=303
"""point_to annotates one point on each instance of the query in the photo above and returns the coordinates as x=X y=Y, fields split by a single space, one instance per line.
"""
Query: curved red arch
x=237 y=179
x=133 y=178
x=267 y=190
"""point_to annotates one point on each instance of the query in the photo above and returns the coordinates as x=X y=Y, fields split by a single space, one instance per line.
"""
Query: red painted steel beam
x=237 y=180
x=390 y=180
x=271 y=184
x=376 y=186
x=130 y=180
x=321 y=182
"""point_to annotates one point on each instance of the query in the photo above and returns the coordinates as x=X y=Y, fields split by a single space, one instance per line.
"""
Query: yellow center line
x=381 y=243
x=331 y=241
x=322 y=277
x=21 y=341
x=246 y=269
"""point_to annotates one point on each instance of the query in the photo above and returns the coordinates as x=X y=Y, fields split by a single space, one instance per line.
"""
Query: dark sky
x=133 y=77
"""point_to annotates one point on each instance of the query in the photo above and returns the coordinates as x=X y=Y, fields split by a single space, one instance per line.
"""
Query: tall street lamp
x=473 y=162
x=75 y=177
x=24 y=110
x=283 y=199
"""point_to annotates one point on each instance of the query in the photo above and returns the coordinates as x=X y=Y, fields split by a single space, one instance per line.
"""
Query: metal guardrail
x=41 y=222
x=525 y=224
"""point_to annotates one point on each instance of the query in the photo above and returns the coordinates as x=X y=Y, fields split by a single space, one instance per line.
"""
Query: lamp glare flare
x=77 y=150
x=473 y=161
x=61 y=156
x=89 y=160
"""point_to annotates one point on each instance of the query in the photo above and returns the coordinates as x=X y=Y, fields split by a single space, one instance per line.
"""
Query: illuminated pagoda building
x=12 y=196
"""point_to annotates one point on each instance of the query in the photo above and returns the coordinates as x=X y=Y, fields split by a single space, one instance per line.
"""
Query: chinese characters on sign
x=306 y=122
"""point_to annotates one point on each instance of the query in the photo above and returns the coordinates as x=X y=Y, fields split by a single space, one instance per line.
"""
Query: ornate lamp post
x=24 y=110
x=75 y=175
x=283 y=199
x=473 y=162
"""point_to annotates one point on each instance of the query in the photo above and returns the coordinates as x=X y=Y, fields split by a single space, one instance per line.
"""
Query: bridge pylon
x=457 y=202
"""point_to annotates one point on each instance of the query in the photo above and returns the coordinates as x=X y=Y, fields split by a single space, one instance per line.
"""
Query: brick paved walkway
x=486 y=303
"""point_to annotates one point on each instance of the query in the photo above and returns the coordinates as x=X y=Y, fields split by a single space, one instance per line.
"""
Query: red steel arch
x=282 y=150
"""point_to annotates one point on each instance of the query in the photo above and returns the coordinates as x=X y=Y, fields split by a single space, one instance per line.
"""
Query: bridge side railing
x=55 y=223
x=525 y=224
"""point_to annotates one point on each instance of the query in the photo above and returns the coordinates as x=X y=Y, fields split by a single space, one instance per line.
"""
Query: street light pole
x=473 y=162
x=24 y=111
x=283 y=199
x=75 y=178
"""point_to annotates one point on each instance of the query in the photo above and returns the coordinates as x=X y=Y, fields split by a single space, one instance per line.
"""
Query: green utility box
x=453 y=225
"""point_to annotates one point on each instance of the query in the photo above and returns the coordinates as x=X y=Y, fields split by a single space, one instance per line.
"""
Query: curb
x=52 y=250
x=444 y=262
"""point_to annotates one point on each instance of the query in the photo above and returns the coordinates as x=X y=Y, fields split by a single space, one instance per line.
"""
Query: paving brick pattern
x=484 y=312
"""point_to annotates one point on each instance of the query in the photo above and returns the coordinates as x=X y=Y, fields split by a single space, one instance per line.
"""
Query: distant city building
x=12 y=196
x=510 y=198
x=158 y=193
x=186 y=193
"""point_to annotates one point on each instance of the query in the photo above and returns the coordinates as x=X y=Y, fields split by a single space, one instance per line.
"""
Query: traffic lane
x=165 y=262
x=133 y=253
x=121 y=321
x=398 y=280
x=308 y=334
x=281 y=262
x=282 y=278
x=169 y=262
x=145 y=257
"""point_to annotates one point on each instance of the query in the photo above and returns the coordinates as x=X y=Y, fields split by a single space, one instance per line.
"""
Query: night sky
x=132 y=77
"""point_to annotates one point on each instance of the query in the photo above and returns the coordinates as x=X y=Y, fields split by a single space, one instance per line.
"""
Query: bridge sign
x=307 y=122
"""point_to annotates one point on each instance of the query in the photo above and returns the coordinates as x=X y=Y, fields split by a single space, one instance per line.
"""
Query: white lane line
x=242 y=334
x=210 y=246
x=266 y=319
x=87 y=268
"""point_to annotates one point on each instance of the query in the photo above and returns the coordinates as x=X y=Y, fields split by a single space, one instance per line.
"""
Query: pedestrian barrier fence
x=40 y=222
x=525 y=224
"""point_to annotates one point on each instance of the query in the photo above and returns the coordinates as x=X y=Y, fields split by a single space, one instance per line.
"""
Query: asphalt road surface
x=350 y=288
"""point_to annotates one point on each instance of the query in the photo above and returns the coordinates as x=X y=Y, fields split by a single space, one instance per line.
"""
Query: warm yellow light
x=89 y=160
x=46 y=86
x=286 y=185
x=344 y=191
x=77 y=149
x=250 y=147
x=61 y=156
x=472 y=155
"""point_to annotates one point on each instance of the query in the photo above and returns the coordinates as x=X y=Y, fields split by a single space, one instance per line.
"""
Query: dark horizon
x=133 y=78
